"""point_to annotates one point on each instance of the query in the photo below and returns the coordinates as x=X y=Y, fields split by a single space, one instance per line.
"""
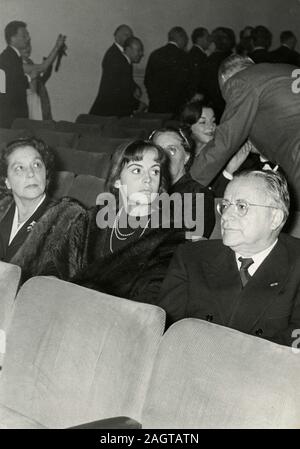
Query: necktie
x=244 y=273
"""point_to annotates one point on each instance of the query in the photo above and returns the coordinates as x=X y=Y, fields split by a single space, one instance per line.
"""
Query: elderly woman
x=26 y=167
x=180 y=149
x=127 y=254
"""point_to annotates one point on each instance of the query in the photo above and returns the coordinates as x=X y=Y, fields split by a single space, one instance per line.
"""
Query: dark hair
x=286 y=36
x=11 y=29
x=134 y=151
x=192 y=111
x=242 y=32
x=39 y=145
x=262 y=36
x=132 y=40
x=176 y=32
x=224 y=39
x=198 y=33
x=186 y=141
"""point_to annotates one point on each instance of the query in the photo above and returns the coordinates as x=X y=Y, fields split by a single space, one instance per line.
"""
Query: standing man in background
x=13 y=98
x=167 y=74
x=112 y=65
x=197 y=58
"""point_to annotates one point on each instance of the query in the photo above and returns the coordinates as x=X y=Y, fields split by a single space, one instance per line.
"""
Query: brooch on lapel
x=273 y=284
x=30 y=226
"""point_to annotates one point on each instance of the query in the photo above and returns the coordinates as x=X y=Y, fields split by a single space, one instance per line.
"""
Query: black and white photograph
x=149 y=218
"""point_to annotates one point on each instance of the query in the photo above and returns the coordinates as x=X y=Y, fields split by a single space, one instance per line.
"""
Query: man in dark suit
x=224 y=41
x=261 y=106
x=286 y=53
x=197 y=58
x=117 y=88
x=13 y=99
x=262 y=40
x=250 y=281
x=166 y=76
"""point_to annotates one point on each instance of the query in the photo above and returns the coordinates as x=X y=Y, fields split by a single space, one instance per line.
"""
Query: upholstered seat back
x=76 y=355
x=209 y=376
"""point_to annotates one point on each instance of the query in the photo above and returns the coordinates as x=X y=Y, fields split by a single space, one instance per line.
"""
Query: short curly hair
x=39 y=145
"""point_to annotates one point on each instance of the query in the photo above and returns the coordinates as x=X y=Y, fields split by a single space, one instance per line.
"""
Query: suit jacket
x=285 y=55
x=167 y=79
x=116 y=91
x=261 y=105
x=7 y=251
x=203 y=282
x=260 y=55
x=197 y=58
x=13 y=102
x=210 y=83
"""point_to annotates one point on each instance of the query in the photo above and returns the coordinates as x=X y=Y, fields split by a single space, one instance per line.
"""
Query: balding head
x=179 y=36
x=134 y=49
x=122 y=33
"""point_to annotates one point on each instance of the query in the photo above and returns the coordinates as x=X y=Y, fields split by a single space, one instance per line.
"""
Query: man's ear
x=117 y=184
x=187 y=158
x=8 y=186
x=278 y=217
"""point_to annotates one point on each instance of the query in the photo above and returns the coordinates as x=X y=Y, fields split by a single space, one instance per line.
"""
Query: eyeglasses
x=241 y=206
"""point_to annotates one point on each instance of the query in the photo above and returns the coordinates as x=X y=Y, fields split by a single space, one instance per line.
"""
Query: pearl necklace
x=119 y=235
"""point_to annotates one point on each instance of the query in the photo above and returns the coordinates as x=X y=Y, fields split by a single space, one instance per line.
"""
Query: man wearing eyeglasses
x=249 y=280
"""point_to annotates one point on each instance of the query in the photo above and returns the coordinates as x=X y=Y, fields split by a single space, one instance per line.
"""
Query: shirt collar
x=119 y=47
x=16 y=50
x=128 y=59
x=257 y=258
x=199 y=46
x=173 y=43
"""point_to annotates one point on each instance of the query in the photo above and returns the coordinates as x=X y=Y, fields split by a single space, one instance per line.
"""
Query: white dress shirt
x=257 y=258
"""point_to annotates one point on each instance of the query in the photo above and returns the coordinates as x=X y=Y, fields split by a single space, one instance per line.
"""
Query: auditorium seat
x=153 y=115
x=26 y=123
x=56 y=139
x=77 y=128
x=86 y=188
x=207 y=376
x=149 y=124
x=116 y=130
x=82 y=162
x=99 y=144
x=9 y=282
x=7 y=135
x=172 y=124
x=76 y=355
x=62 y=183
x=95 y=119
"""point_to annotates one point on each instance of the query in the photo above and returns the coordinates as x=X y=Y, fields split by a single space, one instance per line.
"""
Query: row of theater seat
x=84 y=188
x=74 y=355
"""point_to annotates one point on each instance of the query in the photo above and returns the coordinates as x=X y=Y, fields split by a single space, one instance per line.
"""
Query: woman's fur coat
x=68 y=244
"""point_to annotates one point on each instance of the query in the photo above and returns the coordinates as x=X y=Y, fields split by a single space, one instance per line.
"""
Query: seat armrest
x=118 y=422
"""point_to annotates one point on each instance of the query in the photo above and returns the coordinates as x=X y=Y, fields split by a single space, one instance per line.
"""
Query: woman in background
x=180 y=150
x=199 y=119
